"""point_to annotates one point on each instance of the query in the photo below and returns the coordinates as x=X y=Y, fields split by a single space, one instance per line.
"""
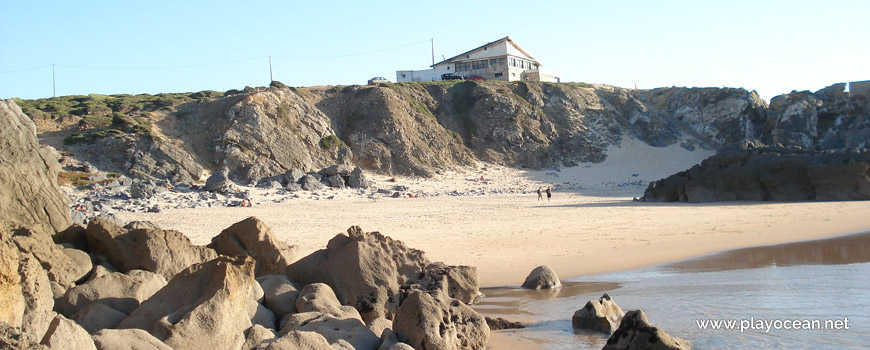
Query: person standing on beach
x=540 y=196
x=549 y=193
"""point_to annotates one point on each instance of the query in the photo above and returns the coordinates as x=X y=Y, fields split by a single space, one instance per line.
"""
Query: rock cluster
x=139 y=284
x=769 y=174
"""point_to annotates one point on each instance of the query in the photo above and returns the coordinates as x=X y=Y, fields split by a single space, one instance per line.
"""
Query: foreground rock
x=439 y=322
x=635 y=332
x=164 y=252
x=123 y=292
x=203 y=307
x=542 y=277
x=125 y=339
x=253 y=238
x=769 y=174
x=13 y=338
x=364 y=269
x=601 y=315
x=66 y=334
x=28 y=174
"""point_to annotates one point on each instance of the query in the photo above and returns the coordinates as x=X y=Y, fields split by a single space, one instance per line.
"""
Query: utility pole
x=433 y=51
x=53 y=82
x=270 y=70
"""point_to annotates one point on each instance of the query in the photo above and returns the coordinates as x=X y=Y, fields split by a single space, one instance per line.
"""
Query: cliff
x=424 y=128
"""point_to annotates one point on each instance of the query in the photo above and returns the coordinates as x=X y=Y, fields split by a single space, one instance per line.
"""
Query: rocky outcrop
x=28 y=174
x=458 y=282
x=202 y=307
x=253 y=238
x=424 y=321
x=635 y=332
x=364 y=269
x=601 y=315
x=769 y=174
x=64 y=265
x=338 y=332
x=164 y=252
x=542 y=277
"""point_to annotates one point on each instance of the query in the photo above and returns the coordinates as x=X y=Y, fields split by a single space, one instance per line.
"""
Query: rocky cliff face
x=422 y=129
x=28 y=174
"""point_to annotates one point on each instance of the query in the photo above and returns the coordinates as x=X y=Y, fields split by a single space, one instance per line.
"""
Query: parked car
x=474 y=77
x=378 y=80
x=450 y=76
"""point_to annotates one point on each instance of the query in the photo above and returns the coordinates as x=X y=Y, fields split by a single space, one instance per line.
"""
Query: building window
x=492 y=61
x=498 y=75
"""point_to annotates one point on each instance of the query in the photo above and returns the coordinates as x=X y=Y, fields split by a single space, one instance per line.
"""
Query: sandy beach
x=590 y=226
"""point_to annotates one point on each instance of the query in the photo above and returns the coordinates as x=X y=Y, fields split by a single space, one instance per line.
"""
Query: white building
x=501 y=60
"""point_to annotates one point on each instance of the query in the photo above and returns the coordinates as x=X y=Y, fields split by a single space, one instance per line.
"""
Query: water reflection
x=832 y=251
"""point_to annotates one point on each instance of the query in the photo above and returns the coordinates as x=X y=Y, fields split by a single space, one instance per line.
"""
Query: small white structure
x=501 y=60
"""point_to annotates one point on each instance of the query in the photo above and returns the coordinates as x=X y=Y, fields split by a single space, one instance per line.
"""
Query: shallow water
x=823 y=280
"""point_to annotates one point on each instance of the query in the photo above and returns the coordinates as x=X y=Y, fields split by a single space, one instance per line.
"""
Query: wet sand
x=546 y=332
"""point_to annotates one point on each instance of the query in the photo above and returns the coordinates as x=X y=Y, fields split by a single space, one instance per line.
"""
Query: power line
x=165 y=67
x=26 y=69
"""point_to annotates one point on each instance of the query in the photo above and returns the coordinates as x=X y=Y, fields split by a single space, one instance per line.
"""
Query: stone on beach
x=542 y=277
x=601 y=315
x=425 y=321
x=635 y=332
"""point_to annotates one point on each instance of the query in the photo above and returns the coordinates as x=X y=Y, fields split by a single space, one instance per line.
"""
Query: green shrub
x=96 y=121
x=331 y=141
x=283 y=110
x=277 y=84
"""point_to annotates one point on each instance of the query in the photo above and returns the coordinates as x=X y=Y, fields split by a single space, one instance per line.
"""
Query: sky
x=131 y=47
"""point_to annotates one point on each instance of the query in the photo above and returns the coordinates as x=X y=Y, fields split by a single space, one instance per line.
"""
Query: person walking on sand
x=549 y=193
x=540 y=196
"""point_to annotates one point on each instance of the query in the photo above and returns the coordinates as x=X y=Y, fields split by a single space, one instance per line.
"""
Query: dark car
x=474 y=77
x=378 y=80
x=450 y=76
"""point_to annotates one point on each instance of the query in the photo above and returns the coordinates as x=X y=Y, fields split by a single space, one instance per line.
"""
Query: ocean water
x=825 y=280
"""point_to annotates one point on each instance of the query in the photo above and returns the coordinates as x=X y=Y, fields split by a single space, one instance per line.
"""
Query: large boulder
x=542 y=277
x=601 y=315
x=123 y=292
x=29 y=192
x=127 y=339
x=165 y=252
x=279 y=294
x=425 y=321
x=358 y=180
x=459 y=282
x=38 y=296
x=635 y=332
x=65 y=266
x=252 y=237
x=364 y=269
x=63 y=333
x=203 y=307
x=218 y=182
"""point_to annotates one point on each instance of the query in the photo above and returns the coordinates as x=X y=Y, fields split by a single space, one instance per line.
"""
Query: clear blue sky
x=110 y=47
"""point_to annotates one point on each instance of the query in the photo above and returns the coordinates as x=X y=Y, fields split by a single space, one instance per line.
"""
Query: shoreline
x=506 y=236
